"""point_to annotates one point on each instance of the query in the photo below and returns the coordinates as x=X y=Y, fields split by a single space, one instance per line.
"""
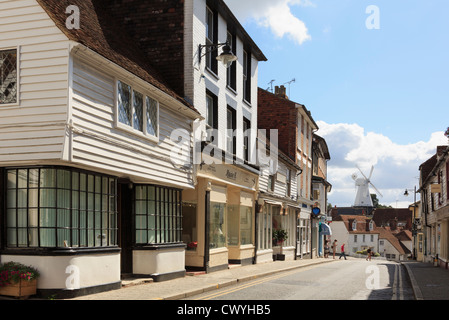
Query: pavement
x=428 y=282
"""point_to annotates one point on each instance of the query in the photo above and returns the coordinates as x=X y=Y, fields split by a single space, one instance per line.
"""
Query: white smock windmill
x=363 y=197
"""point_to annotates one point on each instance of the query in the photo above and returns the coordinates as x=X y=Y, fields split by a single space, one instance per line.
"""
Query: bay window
x=158 y=215
x=60 y=207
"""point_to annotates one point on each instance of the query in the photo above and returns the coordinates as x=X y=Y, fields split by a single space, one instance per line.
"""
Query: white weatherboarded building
x=90 y=184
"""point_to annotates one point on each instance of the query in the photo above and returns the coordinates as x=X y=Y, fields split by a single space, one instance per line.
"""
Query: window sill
x=59 y=251
x=136 y=133
x=247 y=103
x=232 y=90
x=218 y=250
x=160 y=246
x=10 y=105
x=212 y=73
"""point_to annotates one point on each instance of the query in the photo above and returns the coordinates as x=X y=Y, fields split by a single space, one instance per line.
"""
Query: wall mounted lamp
x=226 y=57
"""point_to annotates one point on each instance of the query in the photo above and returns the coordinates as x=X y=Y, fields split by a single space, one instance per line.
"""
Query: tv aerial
x=289 y=83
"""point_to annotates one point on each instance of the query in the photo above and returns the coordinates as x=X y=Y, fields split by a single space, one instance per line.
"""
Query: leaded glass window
x=152 y=117
x=8 y=76
x=124 y=103
x=136 y=111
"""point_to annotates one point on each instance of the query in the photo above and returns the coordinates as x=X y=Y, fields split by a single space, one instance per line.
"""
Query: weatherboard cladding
x=34 y=129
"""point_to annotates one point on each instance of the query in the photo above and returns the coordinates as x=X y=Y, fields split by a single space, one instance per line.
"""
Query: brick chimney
x=281 y=92
x=393 y=224
x=334 y=213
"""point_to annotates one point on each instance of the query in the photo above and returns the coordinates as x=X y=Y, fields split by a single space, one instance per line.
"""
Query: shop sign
x=435 y=188
x=227 y=173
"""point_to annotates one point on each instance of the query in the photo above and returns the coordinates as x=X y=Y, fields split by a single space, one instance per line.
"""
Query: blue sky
x=384 y=89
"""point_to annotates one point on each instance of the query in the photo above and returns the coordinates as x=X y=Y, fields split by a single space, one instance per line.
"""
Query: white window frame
x=209 y=40
x=17 y=103
x=130 y=128
x=245 y=76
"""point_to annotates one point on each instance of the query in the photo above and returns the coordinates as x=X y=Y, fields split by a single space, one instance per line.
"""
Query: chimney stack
x=394 y=224
x=281 y=92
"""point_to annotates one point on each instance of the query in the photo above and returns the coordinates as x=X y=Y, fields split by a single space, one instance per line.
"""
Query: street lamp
x=414 y=216
x=226 y=57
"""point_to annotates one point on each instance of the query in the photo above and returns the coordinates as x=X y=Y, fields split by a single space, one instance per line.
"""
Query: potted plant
x=18 y=280
x=279 y=236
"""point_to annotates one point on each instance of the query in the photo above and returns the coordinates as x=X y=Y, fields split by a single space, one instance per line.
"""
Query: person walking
x=326 y=249
x=334 y=248
x=368 y=258
x=342 y=253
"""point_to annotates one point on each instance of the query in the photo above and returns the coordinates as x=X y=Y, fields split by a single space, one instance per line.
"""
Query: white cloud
x=275 y=15
x=396 y=167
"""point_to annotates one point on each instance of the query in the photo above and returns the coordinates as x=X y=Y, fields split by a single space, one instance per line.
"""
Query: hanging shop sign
x=316 y=211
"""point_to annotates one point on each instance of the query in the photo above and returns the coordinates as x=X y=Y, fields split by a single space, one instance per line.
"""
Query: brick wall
x=275 y=112
x=158 y=27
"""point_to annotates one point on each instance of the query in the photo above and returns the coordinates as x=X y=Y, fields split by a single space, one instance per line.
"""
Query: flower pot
x=22 y=289
x=280 y=257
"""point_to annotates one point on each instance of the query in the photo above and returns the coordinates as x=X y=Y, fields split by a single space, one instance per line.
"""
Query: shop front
x=219 y=217
x=304 y=234
x=63 y=221
x=84 y=230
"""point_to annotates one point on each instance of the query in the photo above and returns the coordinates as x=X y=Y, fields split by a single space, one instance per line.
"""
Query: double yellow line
x=252 y=283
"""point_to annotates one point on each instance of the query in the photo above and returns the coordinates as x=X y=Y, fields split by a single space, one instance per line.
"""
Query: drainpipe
x=2 y=212
x=206 y=230
x=256 y=219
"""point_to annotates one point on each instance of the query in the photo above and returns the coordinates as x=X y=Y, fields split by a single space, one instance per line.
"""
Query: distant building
x=362 y=211
x=357 y=232
x=360 y=232
x=295 y=127
x=394 y=246
x=434 y=222
x=394 y=219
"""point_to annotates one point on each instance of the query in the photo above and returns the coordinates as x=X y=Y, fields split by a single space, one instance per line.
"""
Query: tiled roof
x=427 y=167
x=362 y=225
x=101 y=34
x=395 y=242
x=404 y=235
x=382 y=217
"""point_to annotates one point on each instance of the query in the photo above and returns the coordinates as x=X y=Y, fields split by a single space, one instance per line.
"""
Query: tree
x=376 y=203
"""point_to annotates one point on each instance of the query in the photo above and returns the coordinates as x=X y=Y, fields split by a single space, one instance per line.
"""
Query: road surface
x=352 y=279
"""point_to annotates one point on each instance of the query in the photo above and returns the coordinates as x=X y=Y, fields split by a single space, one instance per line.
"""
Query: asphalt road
x=342 y=280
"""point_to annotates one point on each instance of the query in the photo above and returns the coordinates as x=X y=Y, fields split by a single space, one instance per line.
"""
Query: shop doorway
x=125 y=226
